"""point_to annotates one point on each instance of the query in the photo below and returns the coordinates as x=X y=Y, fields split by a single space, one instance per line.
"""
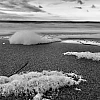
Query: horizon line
x=44 y=21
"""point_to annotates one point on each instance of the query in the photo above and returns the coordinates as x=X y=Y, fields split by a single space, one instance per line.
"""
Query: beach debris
x=77 y=89
x=20 y=68
x=3 y=43
x=36 y=84
x=87 y=55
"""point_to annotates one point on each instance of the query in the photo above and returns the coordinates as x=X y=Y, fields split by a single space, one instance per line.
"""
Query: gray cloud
x=20 y=5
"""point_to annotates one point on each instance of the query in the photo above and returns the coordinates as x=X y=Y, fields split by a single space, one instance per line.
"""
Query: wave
x=30 y=37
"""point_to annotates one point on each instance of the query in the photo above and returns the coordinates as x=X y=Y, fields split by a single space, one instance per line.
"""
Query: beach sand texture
x=50 y=57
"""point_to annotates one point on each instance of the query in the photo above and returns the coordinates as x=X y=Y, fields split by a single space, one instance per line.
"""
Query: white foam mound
x=30 y=37
x=87 y=55
x=36 y=82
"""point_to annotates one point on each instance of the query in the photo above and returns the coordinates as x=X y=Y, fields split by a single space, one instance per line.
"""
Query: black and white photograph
x=49 y=49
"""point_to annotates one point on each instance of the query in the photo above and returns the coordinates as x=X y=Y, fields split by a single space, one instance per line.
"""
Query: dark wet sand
x=50 y=57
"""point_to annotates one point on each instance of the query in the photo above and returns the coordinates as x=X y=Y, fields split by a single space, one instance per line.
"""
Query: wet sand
x=50 y=57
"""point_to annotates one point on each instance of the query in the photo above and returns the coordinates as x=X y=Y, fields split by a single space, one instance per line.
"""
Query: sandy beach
x=50 y=57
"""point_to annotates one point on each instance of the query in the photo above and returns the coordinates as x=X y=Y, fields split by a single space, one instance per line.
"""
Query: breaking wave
x=30 y=37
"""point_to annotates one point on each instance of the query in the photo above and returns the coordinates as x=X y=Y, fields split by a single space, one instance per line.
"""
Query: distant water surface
x=60 y=29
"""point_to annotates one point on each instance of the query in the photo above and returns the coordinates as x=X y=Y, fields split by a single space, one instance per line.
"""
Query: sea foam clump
x=30 y=37
x=37 y=83
x=87 y=55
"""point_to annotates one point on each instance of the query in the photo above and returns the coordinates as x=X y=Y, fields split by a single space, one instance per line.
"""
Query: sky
x=42 y=10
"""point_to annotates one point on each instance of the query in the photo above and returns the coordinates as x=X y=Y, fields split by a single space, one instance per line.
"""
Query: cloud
x=69 y=0
x=78 y=1
x=30 y=37
x=73 y=0
x=21 y=5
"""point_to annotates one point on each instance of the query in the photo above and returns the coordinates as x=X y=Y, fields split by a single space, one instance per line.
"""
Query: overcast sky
x=88 y=10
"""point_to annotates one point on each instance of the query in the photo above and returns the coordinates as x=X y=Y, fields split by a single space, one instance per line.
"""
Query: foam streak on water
x=82 y=42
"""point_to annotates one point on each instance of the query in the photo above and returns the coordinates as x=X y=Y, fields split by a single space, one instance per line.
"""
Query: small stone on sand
x=3 y=43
